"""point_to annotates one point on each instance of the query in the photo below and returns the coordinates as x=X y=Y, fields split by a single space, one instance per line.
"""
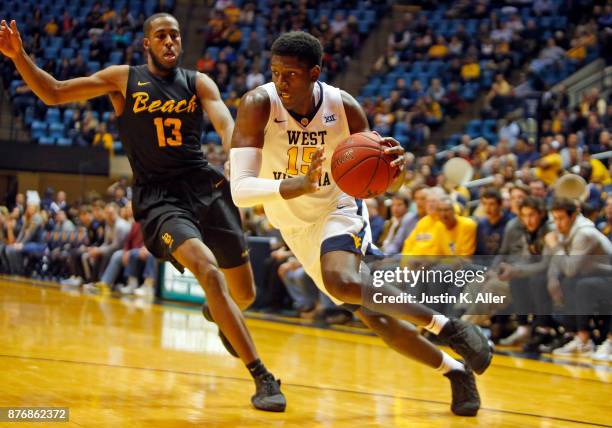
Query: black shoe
x=466 y=400
x=228 y=346
x=268 y=395
x=468 y=341
x=537 y=340
x=558 y=341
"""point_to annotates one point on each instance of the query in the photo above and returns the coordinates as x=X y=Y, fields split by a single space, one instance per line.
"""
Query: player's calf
x=344 y=285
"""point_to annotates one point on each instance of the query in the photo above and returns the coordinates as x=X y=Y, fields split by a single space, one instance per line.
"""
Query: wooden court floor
x=122 y=363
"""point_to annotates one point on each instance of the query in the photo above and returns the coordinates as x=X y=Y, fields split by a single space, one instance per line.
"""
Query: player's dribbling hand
x=10 y=40
x=311 y=179
x=395 y=149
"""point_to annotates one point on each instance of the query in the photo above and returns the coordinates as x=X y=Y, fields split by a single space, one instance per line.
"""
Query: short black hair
x=570 y=206
x=534 y=203
x=402 y=197
x=491 y=193
x=146 y=28
x=301 y=45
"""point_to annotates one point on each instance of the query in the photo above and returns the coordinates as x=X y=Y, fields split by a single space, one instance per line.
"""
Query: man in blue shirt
x=491 y=228
x=377 y=223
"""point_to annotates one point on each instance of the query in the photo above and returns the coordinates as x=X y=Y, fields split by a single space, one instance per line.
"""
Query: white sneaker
x=520 y=335
x=604 y=351
x=144 y=291
x=576 y=347
x=128 y=289
x=73 y=281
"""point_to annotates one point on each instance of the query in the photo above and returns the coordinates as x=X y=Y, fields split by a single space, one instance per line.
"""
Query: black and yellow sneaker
x=468 y=341
x=466 y=400
x=268 y=395
x=228 y=346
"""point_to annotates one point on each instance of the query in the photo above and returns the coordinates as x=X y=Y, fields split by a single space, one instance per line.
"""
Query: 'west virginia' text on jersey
x=288 y=149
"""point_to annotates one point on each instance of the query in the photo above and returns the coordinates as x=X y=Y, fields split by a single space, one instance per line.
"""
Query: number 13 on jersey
x=175 y=125
x=293 y=153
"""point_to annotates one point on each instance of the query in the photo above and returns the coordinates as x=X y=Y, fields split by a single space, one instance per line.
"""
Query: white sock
x=132 y=281
x=436 y=324
x=449 y=363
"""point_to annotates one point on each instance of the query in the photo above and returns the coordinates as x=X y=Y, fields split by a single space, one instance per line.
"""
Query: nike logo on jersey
x=219 y=183
x=142 y=83
x=279 y=121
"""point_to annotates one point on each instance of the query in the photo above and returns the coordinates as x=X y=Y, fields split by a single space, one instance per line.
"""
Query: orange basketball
x=361 y=168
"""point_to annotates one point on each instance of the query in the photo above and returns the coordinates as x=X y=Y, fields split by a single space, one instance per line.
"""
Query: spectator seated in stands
x=95 y=259
x=308 y=300
x=490 y=228
x=579 y=275
x=29 y=239
x=377 y=223
x=527 y=277
x=399 y=226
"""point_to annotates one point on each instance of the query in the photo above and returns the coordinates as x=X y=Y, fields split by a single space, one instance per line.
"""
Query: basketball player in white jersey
x=284 y=130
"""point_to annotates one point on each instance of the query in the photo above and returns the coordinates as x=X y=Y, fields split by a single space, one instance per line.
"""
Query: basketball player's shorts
x=347 y=228
x=198 y=204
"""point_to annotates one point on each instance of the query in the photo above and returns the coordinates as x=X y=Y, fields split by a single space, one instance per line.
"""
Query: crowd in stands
x=72 y=38
x=439 y=60
x=436 y=61
x=237 y=39
x=97 y=245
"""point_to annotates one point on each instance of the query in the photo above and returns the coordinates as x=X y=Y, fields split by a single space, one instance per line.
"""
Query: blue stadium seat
x=212 y=137
x=56 y=42
x=560 y=22
x=53 y=115
x=369 y=15
x=50 y=53
x=385 y=90
x=93 y=66
x=363 y=27
x=63 y=141
x=68 y=53
x=469 y=92
x=39 y=129
x=56 y=130
x=489 y=130
x=14 y=85
x=45 y=141
x=67 y=116
x=474 y=128
x=28 y=116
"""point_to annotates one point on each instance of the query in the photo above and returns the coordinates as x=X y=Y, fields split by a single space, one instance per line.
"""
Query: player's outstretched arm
x=46 y=87
x=217 y=111
x=246 y=158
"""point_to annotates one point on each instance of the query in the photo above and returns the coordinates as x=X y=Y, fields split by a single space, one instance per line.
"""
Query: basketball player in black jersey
x=183 y=204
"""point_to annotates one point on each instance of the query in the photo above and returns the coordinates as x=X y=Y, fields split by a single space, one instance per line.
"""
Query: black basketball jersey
x=161 y=124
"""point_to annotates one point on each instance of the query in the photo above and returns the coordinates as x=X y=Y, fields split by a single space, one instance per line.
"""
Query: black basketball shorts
x=197 y=204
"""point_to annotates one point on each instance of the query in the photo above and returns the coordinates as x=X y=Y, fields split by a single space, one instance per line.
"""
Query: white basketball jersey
x=288 y=148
